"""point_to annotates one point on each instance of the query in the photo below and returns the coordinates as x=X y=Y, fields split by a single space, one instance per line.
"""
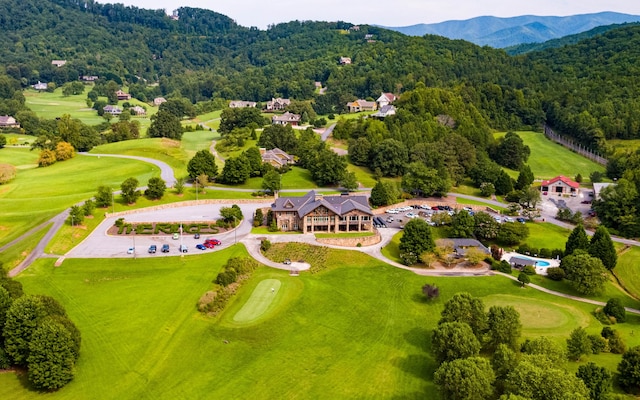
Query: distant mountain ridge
x=505 y=32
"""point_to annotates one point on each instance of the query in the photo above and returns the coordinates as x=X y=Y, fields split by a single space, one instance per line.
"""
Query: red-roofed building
x=560 y=185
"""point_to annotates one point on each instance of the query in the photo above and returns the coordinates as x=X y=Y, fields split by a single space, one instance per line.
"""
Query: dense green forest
x=453 y=94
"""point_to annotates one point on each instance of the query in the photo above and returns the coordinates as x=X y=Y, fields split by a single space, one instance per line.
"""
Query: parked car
x=196 y=236
x=585 y=202
x=209 y=245
x=176 y=236
x=521 y=220
x=152 y=249
x=201 y=246
x=165 y=248
x=183 y=248
x=508 y=219
x=286 y=261
x=131 y=250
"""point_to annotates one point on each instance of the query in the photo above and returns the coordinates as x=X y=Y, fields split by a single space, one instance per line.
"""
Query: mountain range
x=505 y=32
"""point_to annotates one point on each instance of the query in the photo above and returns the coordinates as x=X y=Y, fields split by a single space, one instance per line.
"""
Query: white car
x=411 y=215
x=508 y=219
x=131 y=250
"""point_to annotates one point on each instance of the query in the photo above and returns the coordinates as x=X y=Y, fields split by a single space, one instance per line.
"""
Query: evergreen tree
x=525 y=177
x=577 y=240
x=601 y=246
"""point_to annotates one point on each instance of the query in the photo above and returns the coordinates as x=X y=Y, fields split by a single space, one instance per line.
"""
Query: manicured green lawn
x=547 y=235
x=363 y=175
x=20 y=157
x=14 y=255
x=15 y=139
x=360 y=329
x=37 y=194
x=461 y=200
x=260 y=301
x=549 y=159
x=627 y=270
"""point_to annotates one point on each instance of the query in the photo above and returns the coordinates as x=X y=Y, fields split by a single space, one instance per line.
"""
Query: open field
x=627 y=270
x=359 y=329
x=549 y=159
x=547 y=235
x=38 y=194
x=20 y=157
x=461 y=200
x=363 y=175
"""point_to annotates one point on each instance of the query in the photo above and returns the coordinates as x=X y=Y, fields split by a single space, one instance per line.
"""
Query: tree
x=524 y=279
x=5 y=303
x=512 y=152
x=487 y=189
x=503 y=361
x=23 y=317
x=601 y=246
x=359 y=150
x=416 y=238
x=76 y=215
x=88 y=207
x=474 y=256
x=349 y=181
x=64 y=151
x=596 y=379
x=511 y=233
x=165 y=124
x=104 y=196
x=465 y=379
x=529 y=198
x=271 y=182
x=503 y=183
x=587 y=274
x=615 y=309
x=504 y=326
x=462 y=225
x=578 y=344
x=418 y=179
x=203 y=162
x=233 y=118
x=543 y=346
x=47 y=157
x=463 y=307
x=525 y=178
x=453 y=340
x=629 y=370
x=254 y=159
x=155 y=188
x=179 y=184
x=431 y=292
x=536 y=380
x=279 y=136
x=577 y=240
x=383 y=193
x=51 y=357
x=236 y=171
x=231 y=214
x=486 y=227
x=3 y=142
x=328 y=168
x=129 y=190
x=390 y=156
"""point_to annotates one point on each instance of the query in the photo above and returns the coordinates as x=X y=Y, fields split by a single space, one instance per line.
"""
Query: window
x=365 y=218
x=353 y=218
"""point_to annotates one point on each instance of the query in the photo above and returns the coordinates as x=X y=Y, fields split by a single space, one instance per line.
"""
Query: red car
x=209 y=245
x=214 y=242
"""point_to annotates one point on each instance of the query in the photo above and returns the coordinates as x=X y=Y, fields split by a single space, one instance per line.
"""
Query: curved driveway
x=166 y=172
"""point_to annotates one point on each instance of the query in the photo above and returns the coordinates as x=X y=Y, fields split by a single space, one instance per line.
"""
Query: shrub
x=226 y=277
x=555 y=273
x=557 y=253
x=598 y=344
x=431 y=292
x=265 y=245
x=47 y=157
x=614 y=308
x=5 y=363
x=7 y=173
x=545 y=253
x=534 y=251
x=523 y=249
x=273 y=227
x=616 y=343
x=529 y=270
x=504 y=267
x=88 y=207
x=409 y=258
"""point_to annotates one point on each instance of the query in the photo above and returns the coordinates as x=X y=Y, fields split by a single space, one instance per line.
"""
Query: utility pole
x=197 y=189
x=113 y=203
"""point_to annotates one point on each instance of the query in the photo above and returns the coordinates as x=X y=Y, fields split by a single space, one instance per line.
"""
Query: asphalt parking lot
x=99 y=244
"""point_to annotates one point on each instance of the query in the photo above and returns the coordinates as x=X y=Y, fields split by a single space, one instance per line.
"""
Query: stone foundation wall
x=352 y=241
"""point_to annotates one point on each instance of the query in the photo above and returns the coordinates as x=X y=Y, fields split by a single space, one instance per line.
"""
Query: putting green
x=259 y=301
x=540 y=317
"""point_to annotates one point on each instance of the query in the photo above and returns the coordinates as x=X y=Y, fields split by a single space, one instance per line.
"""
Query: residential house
x=113 y=110
x=40 y=86
x=122 y=95
x=242 y=104
x=7 y=121
x=345 y=60
x=159 y=100
x=286 y=119
x=58 y=63
x=560 y=185
x=361 y=105
x=137 y=110
x=384 y=111
x=88 y=78
x=317 y=213
x=276 y=157
x=277 y=104
x=460 y=246
x=385 y=99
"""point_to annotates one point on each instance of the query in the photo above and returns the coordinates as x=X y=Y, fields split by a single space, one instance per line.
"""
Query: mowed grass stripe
x=260 y=300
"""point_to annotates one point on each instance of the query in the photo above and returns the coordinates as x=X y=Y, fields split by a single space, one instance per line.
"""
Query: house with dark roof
x=361 y=105
x=122 y=95
x=286 y=119
x=111 y=109
x=518 y=262
x=7 y=121
x=560 y=185
x=277 y=104
x=384 y=111
x=276 y=157
x=385 y=99
x=314 y=212
x=460 y=246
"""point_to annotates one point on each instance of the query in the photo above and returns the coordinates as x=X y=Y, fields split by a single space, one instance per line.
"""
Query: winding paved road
x=252 y=242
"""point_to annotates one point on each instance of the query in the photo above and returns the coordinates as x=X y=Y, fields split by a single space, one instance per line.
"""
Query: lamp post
x=197 y=189
x=235 y=231
x=113 y=204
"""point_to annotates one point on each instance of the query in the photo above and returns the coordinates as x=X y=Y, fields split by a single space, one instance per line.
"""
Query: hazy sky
x=261 y=13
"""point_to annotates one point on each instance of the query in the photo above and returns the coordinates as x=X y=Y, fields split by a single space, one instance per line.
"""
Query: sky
x=261 y=13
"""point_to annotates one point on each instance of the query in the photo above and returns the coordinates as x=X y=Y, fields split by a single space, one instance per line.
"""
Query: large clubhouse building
x=317 y=213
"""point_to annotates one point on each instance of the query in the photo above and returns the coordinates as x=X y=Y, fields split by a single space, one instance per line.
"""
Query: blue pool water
x=538 y=262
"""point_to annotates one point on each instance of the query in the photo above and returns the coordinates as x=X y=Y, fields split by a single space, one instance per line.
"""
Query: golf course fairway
x=259 y=301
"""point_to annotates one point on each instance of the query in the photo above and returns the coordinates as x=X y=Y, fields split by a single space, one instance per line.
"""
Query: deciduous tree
x=104 y=196
x=578 y=240
x=453 y=340
x=615 y=309
x=578 y=344
x=465 y=379
x=417 y=238
x=629 y=369
x=597 y=379
x=165 y=124
x=203 y=162
x=463 y=307
x=271 y=181
x=51 y=359
x=129 y=190
x=155 y=188
x=586 y=273
x=504 y=326
x=23 y=317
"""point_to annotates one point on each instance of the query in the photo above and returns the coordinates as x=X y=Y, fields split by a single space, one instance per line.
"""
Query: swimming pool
x=539 y=263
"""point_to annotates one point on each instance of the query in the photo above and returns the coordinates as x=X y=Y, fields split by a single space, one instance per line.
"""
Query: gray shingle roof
x=307 y=203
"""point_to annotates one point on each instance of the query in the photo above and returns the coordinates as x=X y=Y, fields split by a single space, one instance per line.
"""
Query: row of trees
x=37 y=334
